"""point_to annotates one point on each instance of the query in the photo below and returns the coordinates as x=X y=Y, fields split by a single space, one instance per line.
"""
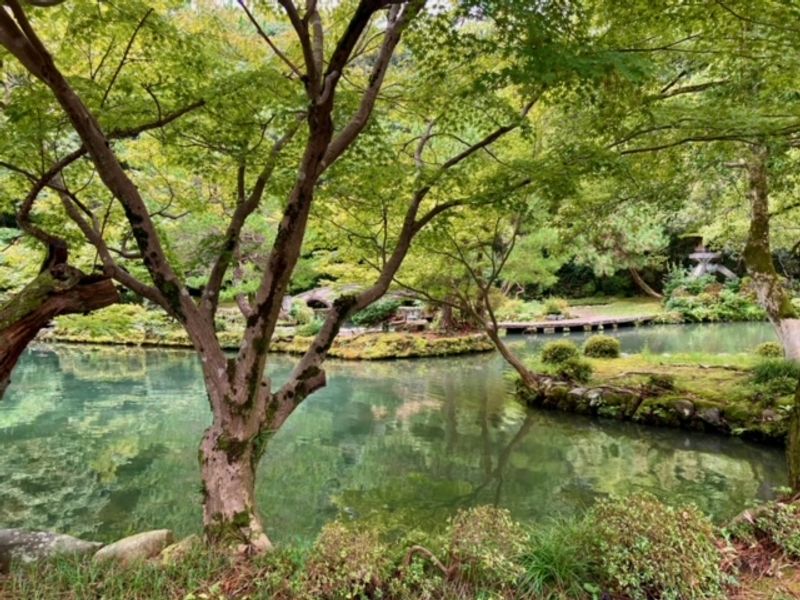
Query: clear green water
x=100 y=442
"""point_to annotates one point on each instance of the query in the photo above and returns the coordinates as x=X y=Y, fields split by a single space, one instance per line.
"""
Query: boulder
x=136 y=547
x=711 y=416
x=34 y=545
x=684 y=407
x=174 y=553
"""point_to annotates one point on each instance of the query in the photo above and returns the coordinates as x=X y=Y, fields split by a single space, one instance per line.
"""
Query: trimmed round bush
x=602 y=346
x=647 y=549
x=558 y=352
x=575 y=369
x=769 y=350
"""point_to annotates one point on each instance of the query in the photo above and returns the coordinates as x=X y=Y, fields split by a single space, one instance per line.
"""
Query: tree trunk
x=448 y=322
x=528 y=377
x=229 y=454
x=56 y=291
x=771 y=294
x=637 y=279
x=793 y=444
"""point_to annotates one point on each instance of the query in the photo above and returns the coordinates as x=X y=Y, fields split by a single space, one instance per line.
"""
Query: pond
x=100 y=442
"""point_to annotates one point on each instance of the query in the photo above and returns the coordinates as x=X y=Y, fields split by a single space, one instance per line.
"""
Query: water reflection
x=101 y=442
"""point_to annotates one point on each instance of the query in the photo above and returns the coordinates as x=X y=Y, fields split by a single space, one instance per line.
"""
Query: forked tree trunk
x=772 y=296
x=643 y=285
x=56 y=291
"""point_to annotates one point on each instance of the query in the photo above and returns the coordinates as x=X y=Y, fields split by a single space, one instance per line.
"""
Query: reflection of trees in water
x=94 y=457
x=400 y=442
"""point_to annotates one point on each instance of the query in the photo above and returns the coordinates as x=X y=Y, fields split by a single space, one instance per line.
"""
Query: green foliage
x=776 y=368
x=486 y=544
x=558 y=351
x=602 y=346
x=301 y=313
x=344 y=563
x=376 y=313
x=775 y=523
x=575 y=369
x=516 y=309
x=769 y=350
x=556 y=562
x=703 y=299
x=556 y=306
x=646 y=549
x=116 y=322
x=310 y=329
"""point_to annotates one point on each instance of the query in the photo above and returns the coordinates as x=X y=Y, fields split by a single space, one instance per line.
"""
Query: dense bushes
x=602 y=346
x=703 y=299
x=635 y=547
x=558 y=352
x=776 y=523
x=646 y=549
x=376 y=313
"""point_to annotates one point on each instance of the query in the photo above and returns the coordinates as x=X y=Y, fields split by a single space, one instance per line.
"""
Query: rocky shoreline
x=158 y=545
x=653 y=407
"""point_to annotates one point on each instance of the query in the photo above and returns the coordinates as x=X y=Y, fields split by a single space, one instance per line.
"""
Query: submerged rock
x=136 y=547
x=34 y=545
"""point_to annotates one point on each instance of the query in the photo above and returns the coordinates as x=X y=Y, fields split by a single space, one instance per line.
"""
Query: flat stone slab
x=136 y=547
x=34 y=545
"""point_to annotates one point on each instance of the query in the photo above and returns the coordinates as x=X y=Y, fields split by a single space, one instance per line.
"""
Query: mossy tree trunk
x=57 y=290
x=772 y=295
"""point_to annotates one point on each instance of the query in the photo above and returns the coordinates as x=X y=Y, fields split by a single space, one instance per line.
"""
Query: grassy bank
x=741 y=394
x=130 y=324
x=635 y=548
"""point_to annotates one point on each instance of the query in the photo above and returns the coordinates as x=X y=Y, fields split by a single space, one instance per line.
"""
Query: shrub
x=344 y=563
x=602 y=346
x=514 y=309
x=558 y=351
x=556 y=306
x=486 y=545
x=780 y=523
x=376 y=313
x=301 y=313
x=703 y=299
x=776 y=368
x=646 y=549
x=769 y=350
x=556 y=563
x=575 y=369
x=310 y=329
